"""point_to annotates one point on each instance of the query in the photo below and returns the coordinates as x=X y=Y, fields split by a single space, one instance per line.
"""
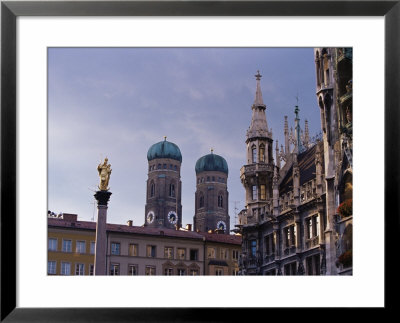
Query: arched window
x=253 y=154
x=172 y=190
x=201 y=200
x=262 y=153
x=152 y=189
x=220 y=201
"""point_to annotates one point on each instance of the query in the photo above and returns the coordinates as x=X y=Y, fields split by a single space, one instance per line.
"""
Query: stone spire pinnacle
x=258 y=102
x=306 y=134
x=258 y=126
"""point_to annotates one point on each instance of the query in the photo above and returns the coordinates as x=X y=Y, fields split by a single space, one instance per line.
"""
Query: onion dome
x=164 y=149
x=211 y=162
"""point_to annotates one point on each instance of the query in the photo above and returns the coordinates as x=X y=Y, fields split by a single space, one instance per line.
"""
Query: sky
x=117 y=102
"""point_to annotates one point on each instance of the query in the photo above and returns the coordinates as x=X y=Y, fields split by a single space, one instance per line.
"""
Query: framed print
x=79 y=29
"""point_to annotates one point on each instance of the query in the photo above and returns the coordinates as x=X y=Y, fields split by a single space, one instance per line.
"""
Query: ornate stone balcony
x=253 y=168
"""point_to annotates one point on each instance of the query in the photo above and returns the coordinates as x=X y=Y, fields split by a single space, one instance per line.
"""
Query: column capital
x=102 y=197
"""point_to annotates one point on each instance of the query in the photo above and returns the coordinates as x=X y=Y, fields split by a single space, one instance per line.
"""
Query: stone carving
x=104 y=170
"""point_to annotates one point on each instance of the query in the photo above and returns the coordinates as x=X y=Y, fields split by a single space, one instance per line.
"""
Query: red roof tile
x=121 y=228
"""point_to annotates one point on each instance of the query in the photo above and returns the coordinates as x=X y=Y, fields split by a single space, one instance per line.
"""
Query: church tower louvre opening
x=211 y=197
x=164 y=187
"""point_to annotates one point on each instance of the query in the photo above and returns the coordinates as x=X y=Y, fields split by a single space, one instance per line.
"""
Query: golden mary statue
x=104 y=173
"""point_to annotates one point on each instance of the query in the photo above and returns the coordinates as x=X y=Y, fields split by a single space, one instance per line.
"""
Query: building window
x=219 y=271
x=208 y=178
x=254 y=189
x=235 y=254
x=312 y=224
x=181 y=253
x=65 y=268
x=168 y=271
x=151 y=251
x=262 y=153
x=175 y=168
x=253 y=248
x=114 y=270
x=269 y=245
x=194 y=254
x=165 y=166
x=152 y=189
x=181 y=272
x=132 y=270
x=172 y=190
x=262 y=192
x=133 y=250
x=290 y=269
x=115 y=248
x=80 y=247
x=150 y=271
x=52 y=244
x=201 y=201
x=211 y=253
x=159 y=166
x=224 y=253
x=79 y=269
x=51 y=267
x=67 y=246
x=254 y=154
x=92 y=247
x=194 y=272
x=169 y=252
x=220 y=201
x=91 y=270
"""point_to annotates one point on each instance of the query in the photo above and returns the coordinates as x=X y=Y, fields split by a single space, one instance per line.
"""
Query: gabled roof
x=306 y=162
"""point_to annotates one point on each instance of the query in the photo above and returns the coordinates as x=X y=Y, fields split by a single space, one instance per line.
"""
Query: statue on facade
x=104 y=170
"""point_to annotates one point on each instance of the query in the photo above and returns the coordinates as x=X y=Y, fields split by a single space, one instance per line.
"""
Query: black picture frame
x=10 y=10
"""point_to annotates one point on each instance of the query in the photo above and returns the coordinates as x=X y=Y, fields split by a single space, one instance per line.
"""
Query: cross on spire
x=258 y=75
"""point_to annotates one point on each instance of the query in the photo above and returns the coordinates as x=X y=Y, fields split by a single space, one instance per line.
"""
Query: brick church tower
x=211 y=206
x=164 y=187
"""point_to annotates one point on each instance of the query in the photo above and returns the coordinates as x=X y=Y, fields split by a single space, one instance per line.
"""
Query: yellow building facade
x=71 y=246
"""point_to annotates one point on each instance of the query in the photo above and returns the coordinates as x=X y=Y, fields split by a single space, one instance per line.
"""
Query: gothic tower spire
x=256 y=175
x=258 y=126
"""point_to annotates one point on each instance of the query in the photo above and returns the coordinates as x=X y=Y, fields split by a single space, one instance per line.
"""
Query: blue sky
x=117 y=102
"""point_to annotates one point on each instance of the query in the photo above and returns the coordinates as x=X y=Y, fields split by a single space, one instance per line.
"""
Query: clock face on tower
x=221 y=225
x=150 y=217
x=172 y=218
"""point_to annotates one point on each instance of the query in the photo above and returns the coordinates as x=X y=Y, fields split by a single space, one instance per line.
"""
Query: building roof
x=222 y=238
x=143 y=230
x=211 y=162
x=164 y=149
x=306 y=162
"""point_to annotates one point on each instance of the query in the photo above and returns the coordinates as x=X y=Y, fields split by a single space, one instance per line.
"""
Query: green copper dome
x=211 y=162
x=164 y=149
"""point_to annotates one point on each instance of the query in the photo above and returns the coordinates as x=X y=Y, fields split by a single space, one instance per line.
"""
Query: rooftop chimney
x=69 y=217
x=189 y=227
x=129 y=223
